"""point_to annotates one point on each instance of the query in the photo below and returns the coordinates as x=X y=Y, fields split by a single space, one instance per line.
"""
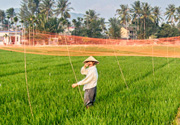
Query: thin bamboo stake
x=119 y=66
x=73 y=68
x=153 y=58
x=168 y=55
x=27 y=80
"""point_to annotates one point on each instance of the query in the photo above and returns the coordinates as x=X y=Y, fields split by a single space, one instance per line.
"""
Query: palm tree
x=78 y=24
x=46 y=7
x=8 y=17
x=2 y=16
x=114 y=30
x=157 y=15
x=146 y=15
x=10 y=12
x=63 y=8
x=157 y=18
x=102 y=24
x=90 y=16
x=124 y=15
x=32 y=19
x=136 y=12
x=170 y=13
x=15 y=21
x=22 y=22
x=37 y=3
x=178 y=13
x=28 y=9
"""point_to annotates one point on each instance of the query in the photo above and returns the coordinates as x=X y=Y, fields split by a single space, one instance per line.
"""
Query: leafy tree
x=78 y=24
x=50 y=25
x=93 y=25
x=167 y=30
x=115 y=28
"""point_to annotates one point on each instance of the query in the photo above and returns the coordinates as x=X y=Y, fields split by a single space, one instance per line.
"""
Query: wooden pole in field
x=27 y=88
x=174 y=52
x=153 y=57
x=72 y=67
x=119 y=66
x=168 y=55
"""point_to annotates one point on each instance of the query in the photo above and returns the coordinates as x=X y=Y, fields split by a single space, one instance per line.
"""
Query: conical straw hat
x=91 y=58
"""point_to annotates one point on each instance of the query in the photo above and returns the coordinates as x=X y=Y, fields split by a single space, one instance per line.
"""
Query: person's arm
x=86 y=80
x=84 y=70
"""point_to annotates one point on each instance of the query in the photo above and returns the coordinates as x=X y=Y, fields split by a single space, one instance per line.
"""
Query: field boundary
x=98 y=50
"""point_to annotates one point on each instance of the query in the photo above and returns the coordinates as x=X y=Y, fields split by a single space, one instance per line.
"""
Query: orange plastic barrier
x=59 y=39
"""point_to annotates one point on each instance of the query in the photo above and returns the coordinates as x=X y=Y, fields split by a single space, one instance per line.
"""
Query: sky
x=106 y=8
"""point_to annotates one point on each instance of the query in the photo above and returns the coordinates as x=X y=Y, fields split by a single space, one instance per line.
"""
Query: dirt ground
x=99 y=50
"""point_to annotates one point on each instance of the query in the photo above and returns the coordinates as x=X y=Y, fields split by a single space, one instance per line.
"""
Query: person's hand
x=74 y=85
x=86 y=65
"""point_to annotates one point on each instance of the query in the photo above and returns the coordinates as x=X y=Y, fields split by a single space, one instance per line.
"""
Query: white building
x=10 y=37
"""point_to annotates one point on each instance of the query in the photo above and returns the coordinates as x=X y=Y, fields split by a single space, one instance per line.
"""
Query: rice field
x=150 y=99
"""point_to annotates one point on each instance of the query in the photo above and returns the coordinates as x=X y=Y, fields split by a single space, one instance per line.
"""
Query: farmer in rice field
x=90 y=81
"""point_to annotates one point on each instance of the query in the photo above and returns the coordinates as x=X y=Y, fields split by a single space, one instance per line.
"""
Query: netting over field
x=55 y=44
x=56 y=39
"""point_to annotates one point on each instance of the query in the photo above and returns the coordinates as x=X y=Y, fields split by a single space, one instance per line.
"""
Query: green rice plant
x=150 y=99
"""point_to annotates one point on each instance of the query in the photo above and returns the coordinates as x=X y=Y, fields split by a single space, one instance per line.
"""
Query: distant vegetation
x=53 y=16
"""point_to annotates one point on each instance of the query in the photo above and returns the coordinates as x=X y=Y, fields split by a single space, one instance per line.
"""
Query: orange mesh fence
x=55 y=44
x=56 y=39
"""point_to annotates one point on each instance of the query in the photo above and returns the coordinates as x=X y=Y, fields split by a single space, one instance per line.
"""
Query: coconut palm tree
x=78 y=24
x=170 y=13
x=89 y=17
x=157 y=15
x=10 y=12
x=124 y=15
x=15 y=21
x=2 y=16
x=178 y=13
x=102 y=24
x=136 y=12
x=63 y=8
x=32 y=19
x=46 y=7
x=37 y=3
x=8 y=17
x=114 y=30
x=29 y=8
x=22 y=22
x=146 y=15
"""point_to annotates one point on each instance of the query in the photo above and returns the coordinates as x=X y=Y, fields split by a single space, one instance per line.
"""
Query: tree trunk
x=144 y=27
x=16 y=35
